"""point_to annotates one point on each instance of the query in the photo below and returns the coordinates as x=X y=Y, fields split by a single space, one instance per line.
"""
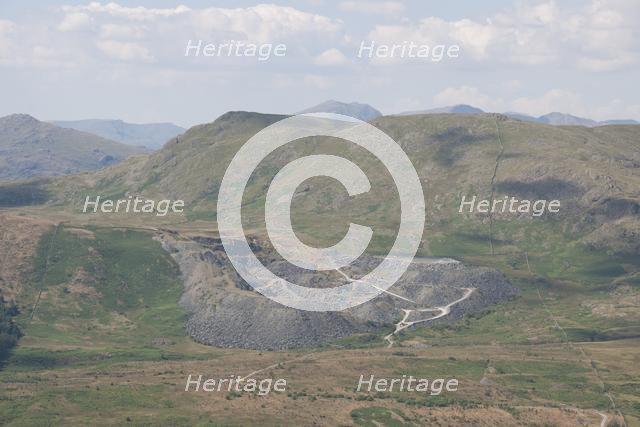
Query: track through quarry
x=404 y=323
x=400 y=326
x=444 y=311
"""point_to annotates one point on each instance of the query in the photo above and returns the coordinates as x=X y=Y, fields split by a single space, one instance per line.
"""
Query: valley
x=537 y=318
x=368 y=213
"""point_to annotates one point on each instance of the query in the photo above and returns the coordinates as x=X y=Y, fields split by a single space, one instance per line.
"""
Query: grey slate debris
x=227 y=312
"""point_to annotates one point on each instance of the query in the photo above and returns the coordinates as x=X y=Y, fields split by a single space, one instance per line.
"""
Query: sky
x=69 y=60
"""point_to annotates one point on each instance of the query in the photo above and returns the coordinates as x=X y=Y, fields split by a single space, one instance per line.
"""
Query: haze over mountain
x=363 y=112
x=554 y=118
x=150 y=135
x=453 y=109
x=31 y=148
x=560 y=119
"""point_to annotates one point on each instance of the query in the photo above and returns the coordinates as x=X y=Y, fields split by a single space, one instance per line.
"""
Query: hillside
x=150 y=135
x=594 y=172
x=31 y=148
x=363 y=112
x=557 y=350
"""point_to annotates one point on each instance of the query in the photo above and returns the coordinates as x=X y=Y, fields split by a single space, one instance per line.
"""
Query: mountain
x=592 y=172
x=562 y=119
x=106 y=292
x=620 y=122
x=453 y=109
x=150 y=135
x=363 y=112
x=521 y=117
x=31 y=148
x=555 y=118
x=455 y=155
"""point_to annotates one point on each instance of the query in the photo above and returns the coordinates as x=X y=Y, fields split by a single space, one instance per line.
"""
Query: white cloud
x=161 y=34
x=139 y=13
x=330 y=58
x=119 y=31
x=599 y=37
x=47 y=57
x=566 y=101
x=6 y=28
x=6 y=43
x=553 y=100
x=125 y=51
x=559 y=100
x=19 y=48
x=263 y=23
x=607 y=64
x=378 y=7
x=75 y=21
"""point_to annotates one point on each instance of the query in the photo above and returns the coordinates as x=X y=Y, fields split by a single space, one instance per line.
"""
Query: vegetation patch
x=452 y=143
x=377 y=416
x=23 y=194
x=9 y=331
x=547 y=189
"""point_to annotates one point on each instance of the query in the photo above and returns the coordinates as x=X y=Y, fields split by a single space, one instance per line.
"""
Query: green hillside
x=594 y=172
x=104 y=332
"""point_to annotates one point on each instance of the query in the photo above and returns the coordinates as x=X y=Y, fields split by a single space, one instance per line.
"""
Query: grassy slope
x=517 y=345
x=589 y=170
x=113 y=294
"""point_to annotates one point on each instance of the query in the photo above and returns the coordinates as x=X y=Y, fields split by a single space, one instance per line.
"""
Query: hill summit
x=363 y=112
x=31 y=148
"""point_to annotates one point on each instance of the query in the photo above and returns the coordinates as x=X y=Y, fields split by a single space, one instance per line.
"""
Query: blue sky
x=73 y=59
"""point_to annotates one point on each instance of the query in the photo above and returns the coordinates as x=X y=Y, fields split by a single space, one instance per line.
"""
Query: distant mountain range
x=453 y=109
x=31 y=148
x=150 y=135
x=366 y=112
x=363 y=112
x=563 y=119
x=555 y=118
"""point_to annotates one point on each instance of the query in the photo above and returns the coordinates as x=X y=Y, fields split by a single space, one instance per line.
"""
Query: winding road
x=404 y=323
x=444 y=310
